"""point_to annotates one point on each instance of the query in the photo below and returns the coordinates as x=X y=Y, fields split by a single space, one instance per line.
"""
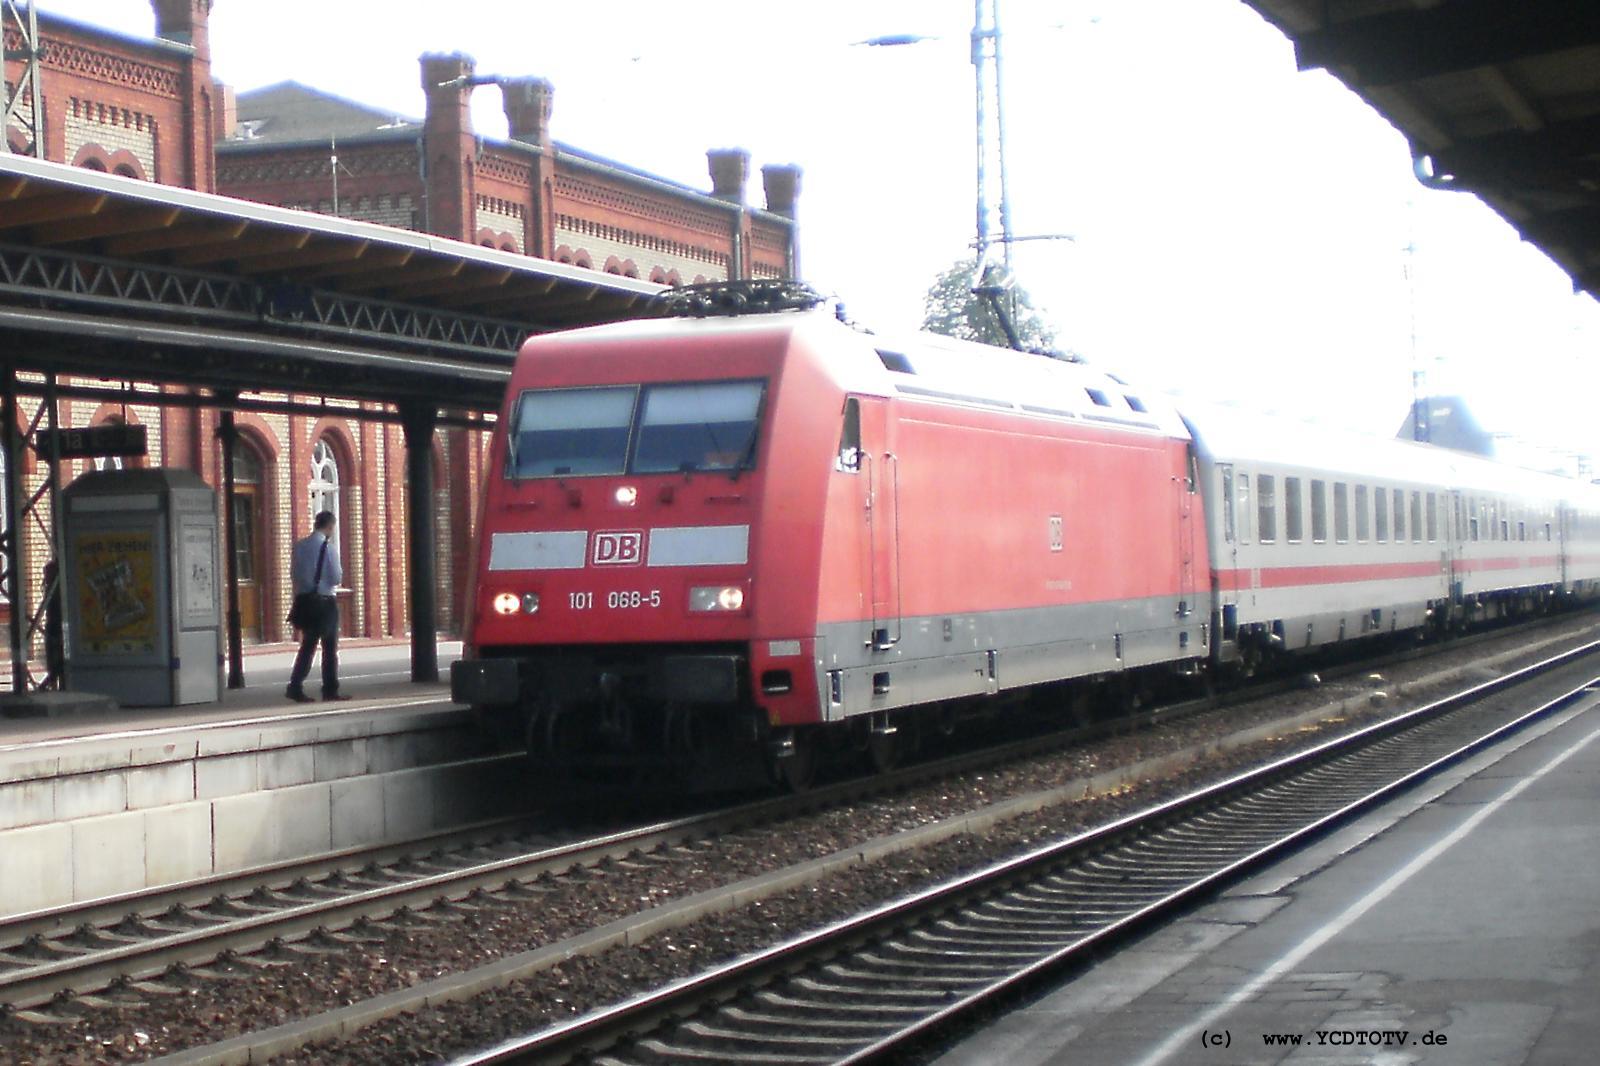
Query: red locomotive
x=712 y=541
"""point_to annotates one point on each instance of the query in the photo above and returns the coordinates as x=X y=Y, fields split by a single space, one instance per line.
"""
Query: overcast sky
x=1239 y=226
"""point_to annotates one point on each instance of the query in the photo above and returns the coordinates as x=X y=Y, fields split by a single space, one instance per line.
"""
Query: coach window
x=1522 y=530
x=1266 y=508
x=1472 y=518
x=1363 y=522
x=1380 y=504
x=1433 y=516
x=1319 y=510
x=1341 y=512
x=1227 y=503
x=1099 y=398
x=850 y=438
x=1293 y=517
x=1416 y=516
x=1241 y=488
x=1399 y=515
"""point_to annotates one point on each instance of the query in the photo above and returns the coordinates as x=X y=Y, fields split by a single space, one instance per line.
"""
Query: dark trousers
x=328 y=633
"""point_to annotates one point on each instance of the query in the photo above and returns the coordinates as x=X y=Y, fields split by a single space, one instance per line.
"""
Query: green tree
x=951 y=308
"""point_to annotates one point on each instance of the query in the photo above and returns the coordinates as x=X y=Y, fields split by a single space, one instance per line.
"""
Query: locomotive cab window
x=561 y=432
x=628 y=429
x=702 y=426
x=849 y=459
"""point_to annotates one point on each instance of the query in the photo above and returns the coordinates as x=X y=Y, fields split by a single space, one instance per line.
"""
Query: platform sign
x=116 y=591
x=92 y=442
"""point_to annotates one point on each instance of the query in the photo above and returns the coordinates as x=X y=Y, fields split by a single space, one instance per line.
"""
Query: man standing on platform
x=315 y=572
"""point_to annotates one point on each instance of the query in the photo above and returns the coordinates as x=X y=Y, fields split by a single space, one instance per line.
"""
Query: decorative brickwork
x=504 y=219
x=113 y=130
x=602 y=242
x=504 y=168
x=265 y=169
x=99 y=64
x=583 y=190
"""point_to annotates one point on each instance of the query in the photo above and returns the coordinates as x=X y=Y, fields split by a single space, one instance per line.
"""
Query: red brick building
x=150 y=109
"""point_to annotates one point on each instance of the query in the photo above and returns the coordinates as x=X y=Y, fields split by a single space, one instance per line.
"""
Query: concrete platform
x=107 y=802
x=1459 y=925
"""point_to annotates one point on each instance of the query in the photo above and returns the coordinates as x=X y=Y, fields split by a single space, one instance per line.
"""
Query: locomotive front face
x=624 y=515
x=620 y=604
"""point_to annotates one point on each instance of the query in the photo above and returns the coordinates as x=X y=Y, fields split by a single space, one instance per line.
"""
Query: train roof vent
x=749 y=296
x=896 y=362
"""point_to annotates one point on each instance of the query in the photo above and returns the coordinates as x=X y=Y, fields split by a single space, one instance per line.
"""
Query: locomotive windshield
x=700 y=426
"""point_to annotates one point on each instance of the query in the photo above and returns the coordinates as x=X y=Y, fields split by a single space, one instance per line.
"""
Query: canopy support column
x=15 y=586
x=419 y=420
x=228 y=435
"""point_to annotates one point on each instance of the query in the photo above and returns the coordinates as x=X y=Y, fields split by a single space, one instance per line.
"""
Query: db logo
x=619 y=549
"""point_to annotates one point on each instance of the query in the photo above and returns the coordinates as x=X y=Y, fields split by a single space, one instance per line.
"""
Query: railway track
x=874 y=985
x=129 y=941
x=80 y=949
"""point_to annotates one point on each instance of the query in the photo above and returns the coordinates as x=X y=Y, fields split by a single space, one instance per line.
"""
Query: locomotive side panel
x=1019 y=550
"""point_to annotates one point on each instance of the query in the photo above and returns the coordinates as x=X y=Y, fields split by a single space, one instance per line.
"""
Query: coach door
x=879 y=486
x=1186 y=487
x=1455 y=545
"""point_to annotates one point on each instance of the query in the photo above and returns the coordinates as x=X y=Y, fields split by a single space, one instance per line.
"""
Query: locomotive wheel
x=798 y=770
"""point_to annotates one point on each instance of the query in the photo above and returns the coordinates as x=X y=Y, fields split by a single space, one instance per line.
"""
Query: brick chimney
x=449 y=145
x=186 y=22
x=730 y=167
x=227 y=105
x=189 y=22
x=527 y=102
x=781 y=181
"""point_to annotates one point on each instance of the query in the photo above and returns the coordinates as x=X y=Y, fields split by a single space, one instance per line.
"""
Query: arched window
x=324 y=478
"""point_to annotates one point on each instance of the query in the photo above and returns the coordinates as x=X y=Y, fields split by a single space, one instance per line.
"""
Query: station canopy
x=110 y=277
x=1497 y=98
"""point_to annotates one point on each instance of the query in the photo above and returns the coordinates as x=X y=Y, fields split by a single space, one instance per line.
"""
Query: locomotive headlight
x=716 y=598
x=627 y=495
x=511 y=603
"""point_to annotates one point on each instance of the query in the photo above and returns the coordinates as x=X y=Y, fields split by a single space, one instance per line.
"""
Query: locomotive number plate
x=626 y=600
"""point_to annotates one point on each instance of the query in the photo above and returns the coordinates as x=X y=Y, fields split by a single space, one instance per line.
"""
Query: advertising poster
x=116 y=591
x=198 y=564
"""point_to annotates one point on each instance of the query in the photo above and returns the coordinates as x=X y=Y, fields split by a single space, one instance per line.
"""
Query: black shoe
x=298 y=695
x=335 y=698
